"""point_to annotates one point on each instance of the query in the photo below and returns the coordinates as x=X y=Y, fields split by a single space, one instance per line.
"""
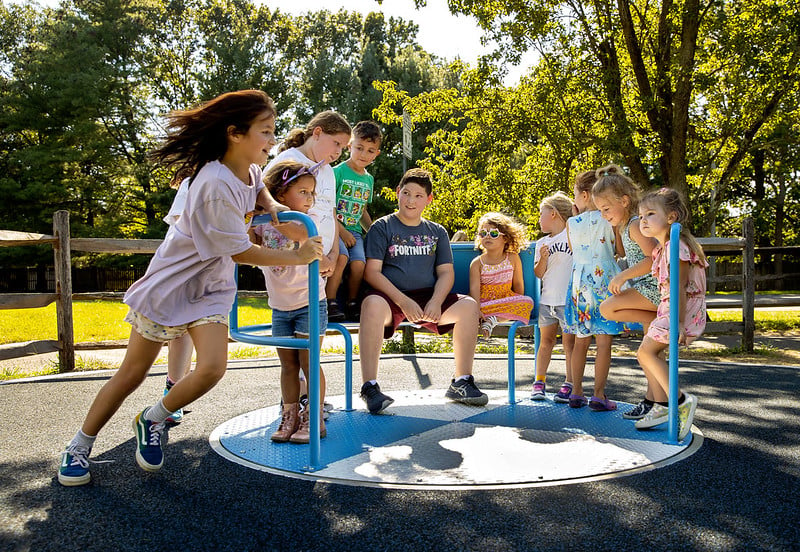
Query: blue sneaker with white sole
x=149 y=437
x=74 y=469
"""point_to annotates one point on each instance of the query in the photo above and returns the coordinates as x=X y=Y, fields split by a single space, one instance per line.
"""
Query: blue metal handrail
x=674 y=328
x=311 y=342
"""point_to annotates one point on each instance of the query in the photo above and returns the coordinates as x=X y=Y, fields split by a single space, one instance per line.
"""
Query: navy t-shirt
x=410 y=254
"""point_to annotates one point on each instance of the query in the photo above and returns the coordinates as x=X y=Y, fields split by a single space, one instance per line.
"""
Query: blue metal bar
x=312 y=343
x=348 y=363
x=674 y=328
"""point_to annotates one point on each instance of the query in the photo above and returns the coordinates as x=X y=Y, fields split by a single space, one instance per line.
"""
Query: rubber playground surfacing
x=735 y=492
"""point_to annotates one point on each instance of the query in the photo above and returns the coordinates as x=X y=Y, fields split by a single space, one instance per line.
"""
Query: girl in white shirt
x=553 y=264
x=189 y=285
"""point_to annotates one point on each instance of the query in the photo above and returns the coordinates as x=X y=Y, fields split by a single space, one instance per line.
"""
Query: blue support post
x=311 y=343
x=674 y=328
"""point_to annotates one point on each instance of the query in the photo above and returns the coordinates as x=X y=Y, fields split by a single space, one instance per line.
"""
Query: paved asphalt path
x=738 y=492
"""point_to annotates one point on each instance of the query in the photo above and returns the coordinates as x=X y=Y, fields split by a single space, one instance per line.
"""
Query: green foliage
x=83 y=86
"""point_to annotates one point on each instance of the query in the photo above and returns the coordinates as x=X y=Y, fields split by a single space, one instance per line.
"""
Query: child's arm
x=475 y=279
x=639 y=269
x=374 y=277
x=366 y=219
x=518 y=282
x=270 y=205
x=295 y=231
x=261 y=256
x=346 y=235
x=541 y=265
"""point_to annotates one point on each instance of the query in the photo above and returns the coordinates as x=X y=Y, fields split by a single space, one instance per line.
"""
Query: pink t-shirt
x=287 y=285
x=191 y=274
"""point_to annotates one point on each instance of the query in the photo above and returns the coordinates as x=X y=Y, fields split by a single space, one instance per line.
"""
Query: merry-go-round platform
x=424 y=441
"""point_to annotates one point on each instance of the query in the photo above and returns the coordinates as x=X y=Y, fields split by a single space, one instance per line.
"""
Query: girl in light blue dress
x=591 y=239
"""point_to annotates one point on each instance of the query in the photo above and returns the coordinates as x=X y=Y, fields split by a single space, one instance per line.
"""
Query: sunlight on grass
x=766 y=320
x=96 y=321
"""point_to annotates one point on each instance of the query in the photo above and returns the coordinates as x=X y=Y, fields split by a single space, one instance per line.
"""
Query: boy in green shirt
x=354 y=190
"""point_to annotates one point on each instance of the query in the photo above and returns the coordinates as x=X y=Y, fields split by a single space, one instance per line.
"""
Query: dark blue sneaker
x=376 y=401
x=465 y=391
x=149 y=435
x=74 y=469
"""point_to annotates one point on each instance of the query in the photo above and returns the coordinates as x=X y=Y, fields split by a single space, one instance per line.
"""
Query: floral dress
x=593 y=267
x=695 y=320
x=646 y=285
x=497 y=298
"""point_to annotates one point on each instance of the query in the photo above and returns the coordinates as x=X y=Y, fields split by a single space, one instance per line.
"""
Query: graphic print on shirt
x=414 y=245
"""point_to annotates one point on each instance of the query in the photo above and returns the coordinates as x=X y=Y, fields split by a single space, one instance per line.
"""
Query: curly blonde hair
x=513 y=231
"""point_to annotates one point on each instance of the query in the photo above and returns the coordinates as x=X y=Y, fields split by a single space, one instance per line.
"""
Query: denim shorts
x=550 y=314
x=289 y=323
x=355 y=253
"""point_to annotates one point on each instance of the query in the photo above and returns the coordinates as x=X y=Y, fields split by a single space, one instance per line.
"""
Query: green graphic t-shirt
x=353 y=192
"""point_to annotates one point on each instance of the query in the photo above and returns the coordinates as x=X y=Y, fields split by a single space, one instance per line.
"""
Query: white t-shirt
x=558 y=272
x=191 y=273
x=322 y=212
x=287 y=285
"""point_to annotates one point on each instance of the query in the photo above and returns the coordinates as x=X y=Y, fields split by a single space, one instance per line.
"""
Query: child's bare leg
x=547 y=340
x=655 y=368
x=578 y=362
x=139 y=357
x=211 y=343
x=356 y=277
x=179 y=357
x=602 y=364
x=628 y=306
x=290 y=367
x=335 y=279
x=464 y=314
x=568 y=340
x=305 y=366
x=375 y=315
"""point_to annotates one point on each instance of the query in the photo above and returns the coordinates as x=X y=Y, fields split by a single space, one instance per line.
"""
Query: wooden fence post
x=748 y=285
x=63 y=269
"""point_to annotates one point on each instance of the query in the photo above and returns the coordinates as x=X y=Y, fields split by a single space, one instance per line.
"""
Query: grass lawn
x=97 y=321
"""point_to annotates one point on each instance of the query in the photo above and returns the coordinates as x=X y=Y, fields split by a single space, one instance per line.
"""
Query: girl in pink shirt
x=657 y=211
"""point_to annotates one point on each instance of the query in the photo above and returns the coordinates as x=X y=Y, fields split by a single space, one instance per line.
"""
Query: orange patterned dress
x=497 y=299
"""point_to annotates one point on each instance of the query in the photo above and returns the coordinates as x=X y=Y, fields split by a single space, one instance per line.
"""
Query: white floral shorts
x=153 y=331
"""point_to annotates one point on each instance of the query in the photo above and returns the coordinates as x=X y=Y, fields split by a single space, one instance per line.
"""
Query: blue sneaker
x=74 y=469
x=177 y=416
x=149 y=435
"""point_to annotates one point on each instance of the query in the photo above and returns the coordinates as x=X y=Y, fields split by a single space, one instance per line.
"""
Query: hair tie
x=603 y=174
x=664 y=190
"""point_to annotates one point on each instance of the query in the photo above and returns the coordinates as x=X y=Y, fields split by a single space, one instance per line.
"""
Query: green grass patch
x=766 y=320
x=97 y=321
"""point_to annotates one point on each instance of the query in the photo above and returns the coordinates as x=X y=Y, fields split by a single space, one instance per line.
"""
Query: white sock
x=463 y=377
x=83 y=440
x=372 y=382
x=157 y=412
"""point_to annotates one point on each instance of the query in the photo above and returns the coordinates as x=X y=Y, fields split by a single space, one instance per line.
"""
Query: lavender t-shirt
x=191 y=273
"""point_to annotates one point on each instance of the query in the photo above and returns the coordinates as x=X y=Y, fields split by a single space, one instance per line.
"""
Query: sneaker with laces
x=335 y=314
x=376 y=401
x=686 y=415
x=149 y=454
x=465 y=391
x=659 y=414
x=638 y=412
x=562 y=396
x=538 y=391
x=74 y=469
x=177 y=416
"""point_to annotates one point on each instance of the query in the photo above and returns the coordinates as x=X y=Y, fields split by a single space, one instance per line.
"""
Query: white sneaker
x=658 y=415
x=686 y=415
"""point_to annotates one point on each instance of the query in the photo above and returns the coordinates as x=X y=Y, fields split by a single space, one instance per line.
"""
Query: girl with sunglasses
x=495 y=277
x=293 y=184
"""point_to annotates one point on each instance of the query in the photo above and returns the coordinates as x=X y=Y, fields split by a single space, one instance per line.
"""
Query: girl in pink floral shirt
x=657 y=211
